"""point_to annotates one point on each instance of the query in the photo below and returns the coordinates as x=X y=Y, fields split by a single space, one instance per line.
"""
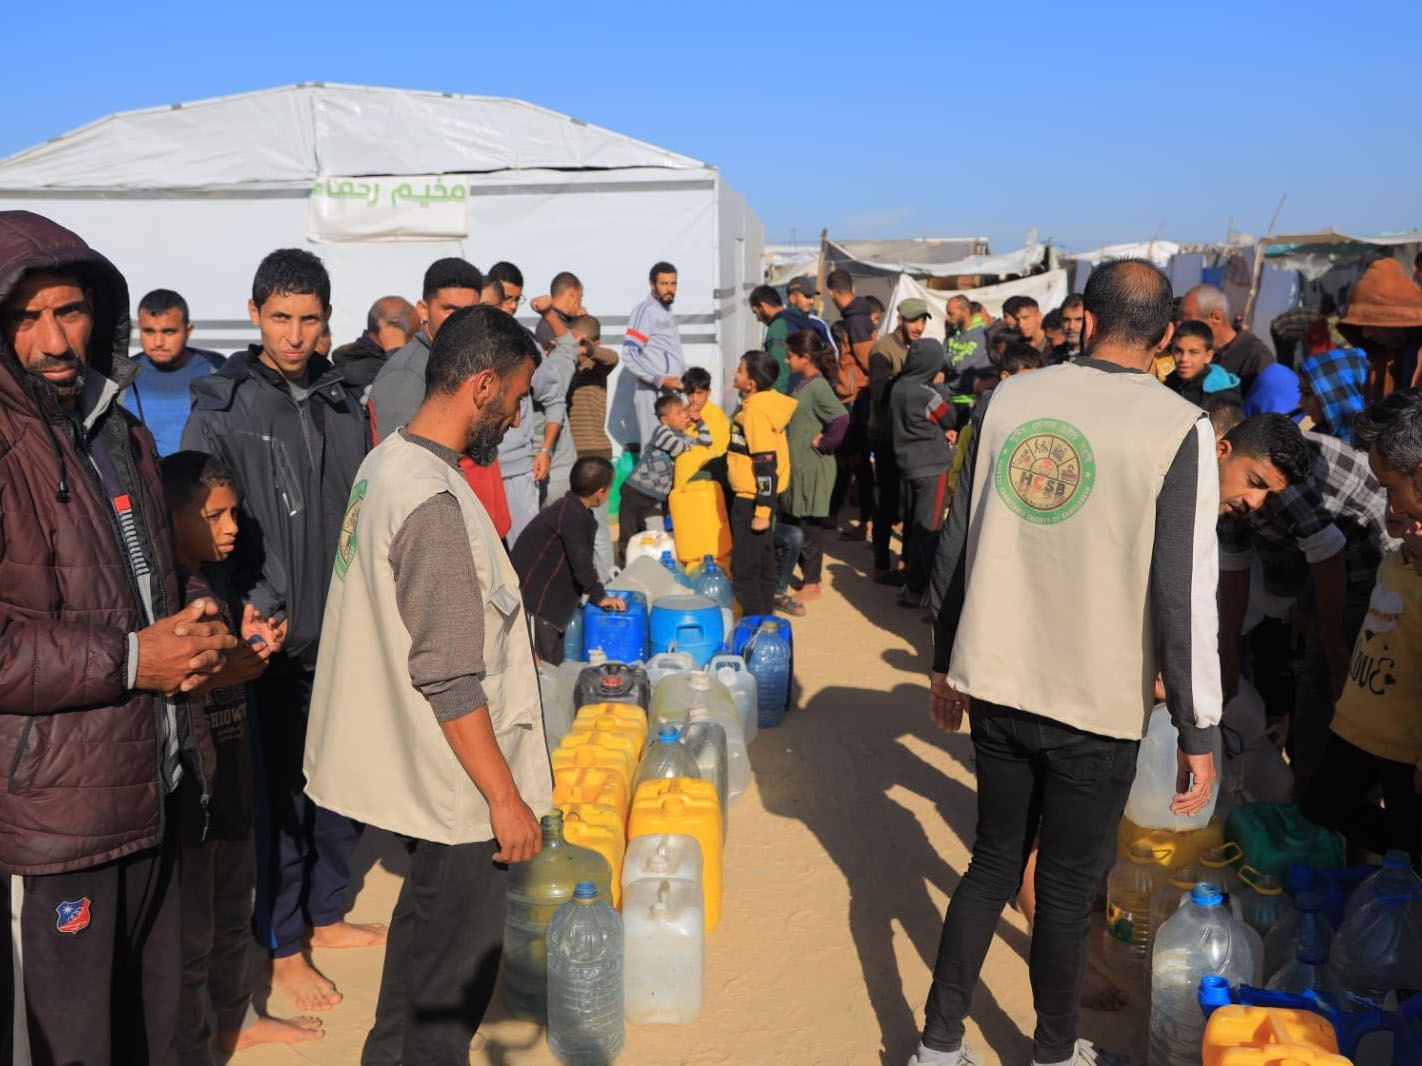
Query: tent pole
x=820 y=269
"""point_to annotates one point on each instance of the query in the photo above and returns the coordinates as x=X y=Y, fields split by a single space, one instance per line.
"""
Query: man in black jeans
x=1094 y=463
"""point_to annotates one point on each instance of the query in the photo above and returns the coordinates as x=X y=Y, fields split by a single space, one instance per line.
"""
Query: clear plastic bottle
x=536 y=889
x=573 y=636
x=1378 y=949
x=667 y=757
x=738 y=767
x=1263 y=902
x=767 y=655
x=1395 y=876
x=1304 y=930
x=706 y=743
x=675 y=568
x=674 y=696
x=1200 y=939
x=1310 y=972
x=1166 y=900
x=731 y=671
x=1129 y=888
x=696 y=569
x=715 y=584
x=585 y=980
x=1153 y=790
x=1218 y=866
x=665 y=952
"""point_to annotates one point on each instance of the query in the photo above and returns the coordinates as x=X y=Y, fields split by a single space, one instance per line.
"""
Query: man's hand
x=946 y=704
x=516 y=830
x=759 y=523
x=1194 y=783
x=177 y=653
x=612 y=603
x=542 y=462
x=671 y=381
x=541 y=304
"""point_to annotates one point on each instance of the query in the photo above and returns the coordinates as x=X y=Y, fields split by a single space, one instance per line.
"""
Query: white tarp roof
x=1158 y=252
x=1048 y=289
x=290 y=136
x=924 y=256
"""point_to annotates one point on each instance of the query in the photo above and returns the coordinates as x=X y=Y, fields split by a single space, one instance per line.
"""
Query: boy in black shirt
x=217 y=873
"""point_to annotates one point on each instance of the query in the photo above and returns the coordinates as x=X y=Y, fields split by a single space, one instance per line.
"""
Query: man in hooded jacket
x=96 y=651
x=921 y=414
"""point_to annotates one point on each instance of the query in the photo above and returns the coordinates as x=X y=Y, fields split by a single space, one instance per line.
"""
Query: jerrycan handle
x=1227 y=847
x=1250 y=876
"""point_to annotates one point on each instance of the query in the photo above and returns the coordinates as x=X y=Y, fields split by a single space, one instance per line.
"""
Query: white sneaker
x=964 y=1056
x=1088 y=1054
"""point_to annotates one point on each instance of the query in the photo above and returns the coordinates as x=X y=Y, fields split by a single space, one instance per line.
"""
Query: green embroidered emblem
x=1046 y=471
x=346 y=545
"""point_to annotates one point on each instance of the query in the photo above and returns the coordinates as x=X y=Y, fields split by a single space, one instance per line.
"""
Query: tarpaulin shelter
x=381 y=182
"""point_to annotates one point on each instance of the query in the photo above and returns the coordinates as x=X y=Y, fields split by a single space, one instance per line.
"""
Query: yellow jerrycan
x=1269 y=1036
x=585 y=751
x=687 y=806
x=592 y=828
x=699 y=523
x=593 y=785
x=625 y=718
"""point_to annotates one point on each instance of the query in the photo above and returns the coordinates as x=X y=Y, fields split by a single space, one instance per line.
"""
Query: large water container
x=1263 y=900
x=675 y=695
x=1175 y=851
x=585 y=980
x=1394 y=877
x=658 y=856
x=738 y=767
x=1202 y=938
x=1166 y=900
x=665 y=951
x=750 y=623
x=694 y=570
x=1378 y=949
x=677 y=571
x=1303 y=931
x=585 y=751
x=557 y=714
x=767 y=656
x=688 y=623
x=706 y=744
x=536 y=889
x=715 y=584
x=667 y=757
x=1220 y=867
x=1126 y=938
x=607 y=718
x=685 y=807
x=698 y=514
x=731 y=671
x=1275 y=836
x=648 y=577
x=613 y=683
x=1157 y=765
x=592 y=785
x=1309 y=972
x=573 y=647
x=649 y=542
x=667 y=664
x=620 y=635
x=1245 y=1035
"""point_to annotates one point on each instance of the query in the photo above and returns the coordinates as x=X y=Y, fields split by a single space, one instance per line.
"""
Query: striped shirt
x=655 y=470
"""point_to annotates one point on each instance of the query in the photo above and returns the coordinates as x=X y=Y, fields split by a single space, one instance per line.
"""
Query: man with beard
x=293 y=433
x=1073 y=312
x=651 y=348
x=95 y=652
x=426 y=718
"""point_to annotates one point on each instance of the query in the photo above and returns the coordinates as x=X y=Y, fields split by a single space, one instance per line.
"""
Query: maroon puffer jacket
x=79 y=753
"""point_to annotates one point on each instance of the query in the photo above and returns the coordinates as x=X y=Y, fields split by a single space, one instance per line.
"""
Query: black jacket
x=359 y=362
x=920 y=413
x=295 y=461
x=554 y=560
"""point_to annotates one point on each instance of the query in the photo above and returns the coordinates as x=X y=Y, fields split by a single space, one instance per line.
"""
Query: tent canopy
x=289 y=136
x=924 y=256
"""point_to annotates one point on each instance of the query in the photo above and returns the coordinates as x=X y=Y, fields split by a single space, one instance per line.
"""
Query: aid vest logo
x=346 y=544
x=1046 y=471
x=72 y=915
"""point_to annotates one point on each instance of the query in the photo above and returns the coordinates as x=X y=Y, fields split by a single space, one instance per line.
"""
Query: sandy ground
x=841 y=858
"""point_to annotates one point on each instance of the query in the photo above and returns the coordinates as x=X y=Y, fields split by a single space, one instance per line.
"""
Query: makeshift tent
x=1049 y=290
x=381 y=182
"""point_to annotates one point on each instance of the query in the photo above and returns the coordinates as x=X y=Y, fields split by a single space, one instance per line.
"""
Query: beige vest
x=374 y=750
x=1056 y=619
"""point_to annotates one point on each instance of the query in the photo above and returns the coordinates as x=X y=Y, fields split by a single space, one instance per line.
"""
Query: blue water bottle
x=767 y=656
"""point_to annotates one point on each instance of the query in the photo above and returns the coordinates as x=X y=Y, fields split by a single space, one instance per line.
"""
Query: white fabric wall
x=1049 y=290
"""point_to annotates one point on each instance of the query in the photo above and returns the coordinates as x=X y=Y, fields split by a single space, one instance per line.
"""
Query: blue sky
x=1093 y=123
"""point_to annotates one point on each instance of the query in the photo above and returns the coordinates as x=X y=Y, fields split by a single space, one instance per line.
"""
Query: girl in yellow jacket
x=758 y=463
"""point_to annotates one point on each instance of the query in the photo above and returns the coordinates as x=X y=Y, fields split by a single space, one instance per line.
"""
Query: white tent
x=191 y=197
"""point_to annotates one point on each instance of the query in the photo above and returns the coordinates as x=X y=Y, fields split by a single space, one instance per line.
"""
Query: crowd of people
x=230 y=586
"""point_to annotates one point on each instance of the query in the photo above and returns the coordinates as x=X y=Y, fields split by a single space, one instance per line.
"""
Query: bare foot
x=810 y=591
x=273 y=1031
x=302 y=984
x=1099 y=993
x=348 y=935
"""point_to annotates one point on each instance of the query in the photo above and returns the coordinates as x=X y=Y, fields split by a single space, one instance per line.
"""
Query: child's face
x=742 y=380
x=676 y=417
x=207 y=527
x=1191 y=356
x=695 y=401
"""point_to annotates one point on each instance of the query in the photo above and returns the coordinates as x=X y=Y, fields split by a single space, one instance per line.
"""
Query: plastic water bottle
x=732 y=672
x=675 y=568
x=715 y=584
x=665 y=664
x=585 y=983
x=767 y=656
x=573 y=636
x=1129 y=888
x=1263 y=901
x=1378 y=949
x=666 y=950
x=1166 y=900
x=1153 y=790
x=706 y=744
x=1202 y=938
x=1305 y=930
x=695 y=570
x=1310 y=972
x=668 y=757
x=1395 y=876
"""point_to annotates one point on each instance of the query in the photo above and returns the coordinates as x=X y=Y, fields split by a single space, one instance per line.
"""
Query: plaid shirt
x=1340 y=506
x=1338 y=377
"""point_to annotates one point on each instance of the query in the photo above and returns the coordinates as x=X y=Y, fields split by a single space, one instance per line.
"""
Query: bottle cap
x=585 y=890
x=613 y=682
x=699 y=680
x=668 y=733
x=1206 y=895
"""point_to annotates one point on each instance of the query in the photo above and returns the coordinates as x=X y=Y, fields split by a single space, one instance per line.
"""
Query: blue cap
x=666 y=557
x=668 y=732
x=585 y=890
x=724 y=649
x=1206 y=895
x=1214 y=992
